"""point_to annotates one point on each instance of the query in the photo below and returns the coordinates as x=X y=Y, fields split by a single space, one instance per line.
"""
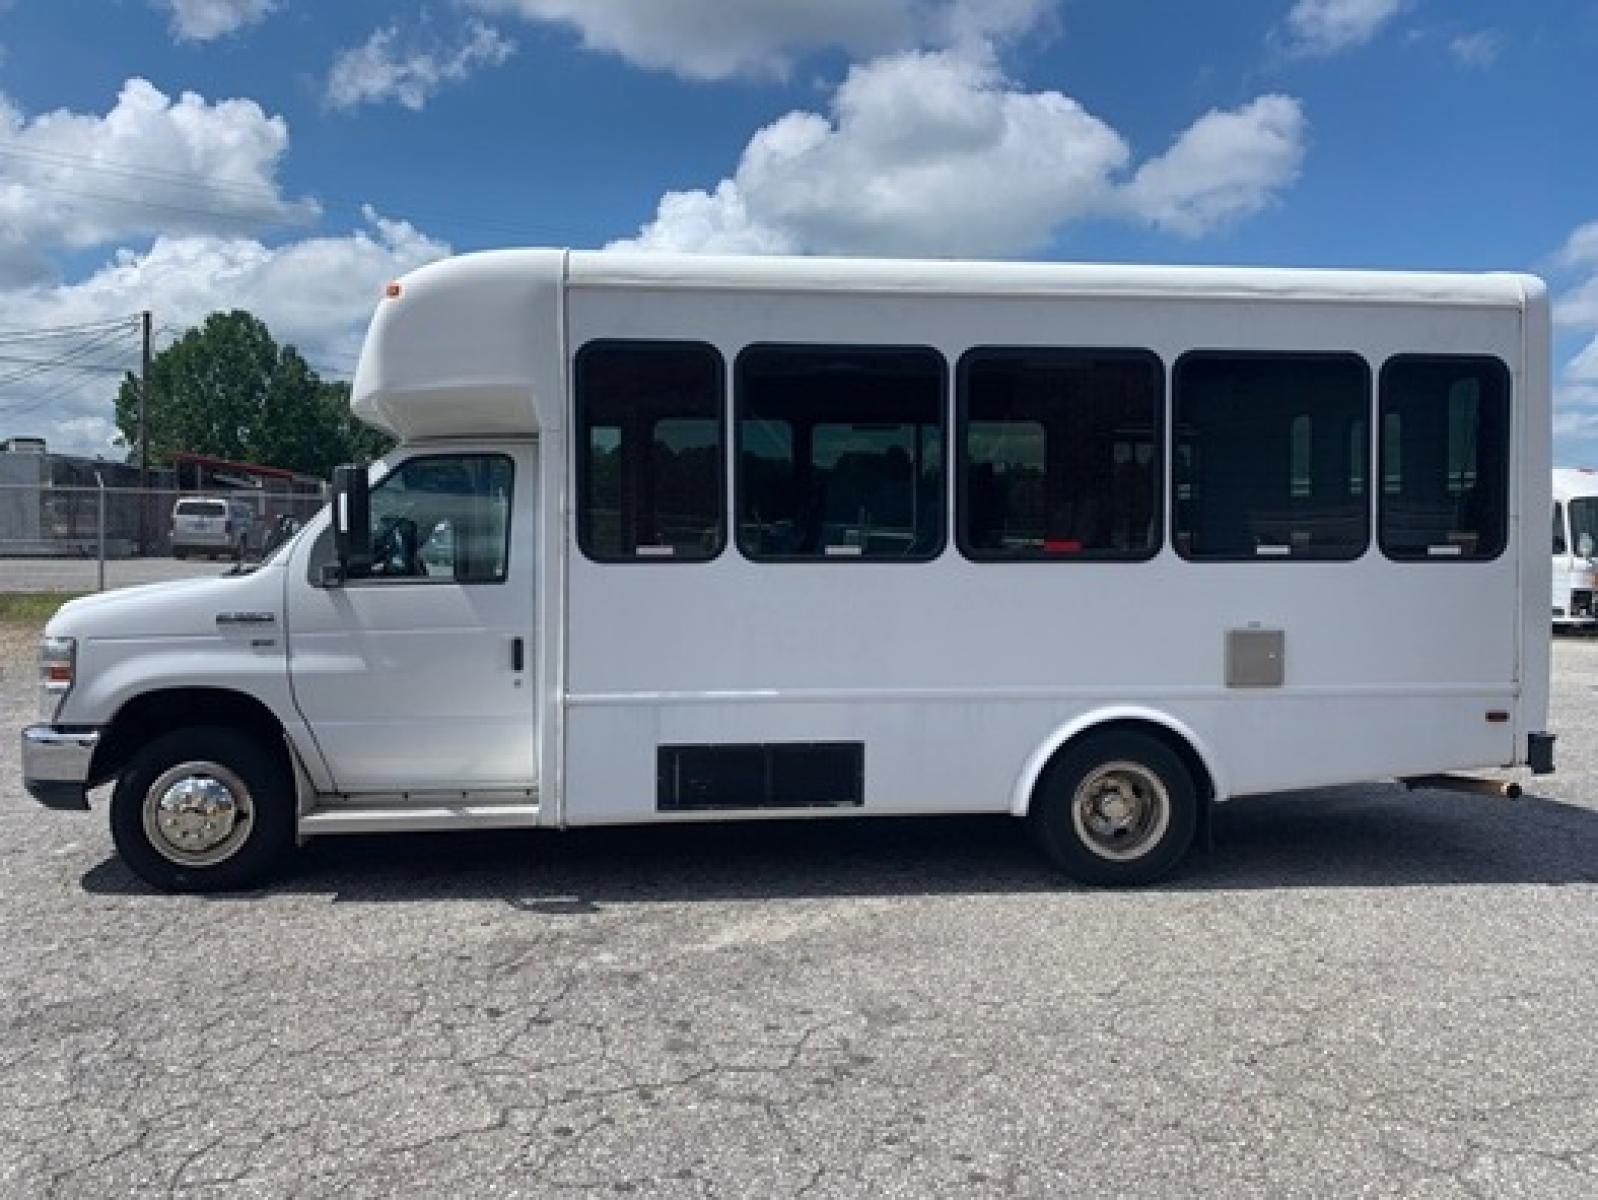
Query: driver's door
x=418 y=679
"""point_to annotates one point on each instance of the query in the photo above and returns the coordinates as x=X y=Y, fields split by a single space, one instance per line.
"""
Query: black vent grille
x=761 y=775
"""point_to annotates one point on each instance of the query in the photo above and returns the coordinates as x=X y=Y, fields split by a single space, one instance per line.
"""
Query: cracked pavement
x=1359 y=993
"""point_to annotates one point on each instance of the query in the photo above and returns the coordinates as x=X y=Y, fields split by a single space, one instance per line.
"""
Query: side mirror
x=1584 y=546
x=352 y=522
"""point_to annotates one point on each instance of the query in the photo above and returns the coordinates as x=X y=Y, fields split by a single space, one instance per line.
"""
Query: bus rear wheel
x=1116 y=809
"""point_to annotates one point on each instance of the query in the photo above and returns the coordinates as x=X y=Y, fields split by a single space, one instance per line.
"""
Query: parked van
x=212 y=527
x=1575 y=546
x=668 y=540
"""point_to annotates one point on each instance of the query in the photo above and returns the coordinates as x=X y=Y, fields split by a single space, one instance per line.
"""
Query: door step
x=416 y=814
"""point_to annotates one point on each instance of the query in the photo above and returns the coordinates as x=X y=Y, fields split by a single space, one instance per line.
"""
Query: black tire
x=1138 y=763
x=262 y=836
x=180 y=555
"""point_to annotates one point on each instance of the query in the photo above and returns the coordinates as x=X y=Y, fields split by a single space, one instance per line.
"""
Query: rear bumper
x=55 y=764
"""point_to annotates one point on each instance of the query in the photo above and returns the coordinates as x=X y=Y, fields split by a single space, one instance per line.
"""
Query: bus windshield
x=1584 y=520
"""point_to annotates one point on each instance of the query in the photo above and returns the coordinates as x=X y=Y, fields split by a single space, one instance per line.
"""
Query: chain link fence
x=86 y=537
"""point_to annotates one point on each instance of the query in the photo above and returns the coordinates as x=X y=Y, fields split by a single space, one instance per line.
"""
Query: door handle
x=518 y=654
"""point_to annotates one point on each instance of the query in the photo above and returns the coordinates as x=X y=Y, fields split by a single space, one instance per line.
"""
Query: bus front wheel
x=204 y=809
x=1115 y=809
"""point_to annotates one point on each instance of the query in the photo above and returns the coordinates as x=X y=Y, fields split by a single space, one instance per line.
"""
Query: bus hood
x=186 y=608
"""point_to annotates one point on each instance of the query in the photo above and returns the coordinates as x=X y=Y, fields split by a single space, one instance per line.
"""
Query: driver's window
x=444 y=517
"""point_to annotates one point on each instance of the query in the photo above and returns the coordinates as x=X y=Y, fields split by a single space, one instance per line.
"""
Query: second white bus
x=1575 y=544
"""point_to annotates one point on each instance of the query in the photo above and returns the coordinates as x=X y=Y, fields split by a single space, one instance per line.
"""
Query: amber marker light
x=393 y=290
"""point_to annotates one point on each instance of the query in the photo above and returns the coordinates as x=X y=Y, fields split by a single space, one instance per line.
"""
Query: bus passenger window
x=1449 y=493
x=650 y=452
x=1059 y=454
x=840 y=453
x=1270 y=453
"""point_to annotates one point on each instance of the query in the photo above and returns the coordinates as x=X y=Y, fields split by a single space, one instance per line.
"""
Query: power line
x=321 y=366
x=266 y=196
x=105 y=367
x=60 y=393
x=106 y=166
x=93 y=345
x=254 y=220
x=42 y=332
x=75 y=367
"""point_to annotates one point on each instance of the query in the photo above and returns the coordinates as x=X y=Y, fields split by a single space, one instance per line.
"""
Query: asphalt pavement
x=82 y=574
x=1358 y=992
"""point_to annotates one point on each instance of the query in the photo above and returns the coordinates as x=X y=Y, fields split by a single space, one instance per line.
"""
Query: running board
x=423 y=817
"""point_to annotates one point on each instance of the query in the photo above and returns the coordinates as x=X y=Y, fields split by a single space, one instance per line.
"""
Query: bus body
x=1575 y=543
x=671 y=539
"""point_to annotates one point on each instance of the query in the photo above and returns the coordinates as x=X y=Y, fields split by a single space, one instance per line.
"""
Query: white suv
x=213 y=527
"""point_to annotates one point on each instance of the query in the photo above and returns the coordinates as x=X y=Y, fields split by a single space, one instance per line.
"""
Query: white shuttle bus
x=1575 y=545
x=682 y=539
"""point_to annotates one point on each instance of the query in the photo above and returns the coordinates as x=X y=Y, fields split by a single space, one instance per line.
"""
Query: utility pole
x=144 y=438
x=144 y=406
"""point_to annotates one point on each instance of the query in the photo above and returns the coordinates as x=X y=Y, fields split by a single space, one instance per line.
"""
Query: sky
x=292 y=156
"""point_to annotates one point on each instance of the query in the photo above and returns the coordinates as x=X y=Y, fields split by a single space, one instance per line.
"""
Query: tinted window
x=1559 y=530
x=840 y=453
x=650 y=458
x=1270 y=456
x=443 y=517
x=1059 y=454
x=1583 y=525
x=202 y=508
x=1445 y=455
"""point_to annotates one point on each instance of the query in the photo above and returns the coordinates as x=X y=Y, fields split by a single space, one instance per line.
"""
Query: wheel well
x=1172 y=740
x=154 y=713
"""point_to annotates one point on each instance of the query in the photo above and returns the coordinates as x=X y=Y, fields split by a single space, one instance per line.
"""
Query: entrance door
x=419 y=678
x=1562 y=561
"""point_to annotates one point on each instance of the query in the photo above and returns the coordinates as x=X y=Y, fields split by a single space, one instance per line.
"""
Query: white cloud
x=207 y=20
x=1576 y=309
x=1479 y=49
x=1583 y=368
x=1575 y=425
x=720 y=39
x=317 y=293
x=150 y=165
x=1226 y=166
x=1580 y=248
x=1321 y=27
x=410 y=71
x=935 y=153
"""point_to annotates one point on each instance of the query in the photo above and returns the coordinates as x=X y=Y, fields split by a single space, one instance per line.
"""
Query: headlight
x=58 y=667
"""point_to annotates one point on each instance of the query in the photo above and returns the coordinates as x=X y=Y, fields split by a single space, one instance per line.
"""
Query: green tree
x=228 y=389
x=357 y=441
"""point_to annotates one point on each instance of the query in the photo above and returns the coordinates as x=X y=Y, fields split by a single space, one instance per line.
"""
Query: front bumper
x=55 y=764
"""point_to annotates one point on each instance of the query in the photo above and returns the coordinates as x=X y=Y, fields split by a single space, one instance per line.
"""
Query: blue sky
x=291 y=155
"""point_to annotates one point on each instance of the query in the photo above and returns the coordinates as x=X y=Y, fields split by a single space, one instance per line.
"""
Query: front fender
x=112 y=673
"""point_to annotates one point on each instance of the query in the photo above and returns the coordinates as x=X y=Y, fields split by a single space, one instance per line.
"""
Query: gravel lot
x=1361 y=993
